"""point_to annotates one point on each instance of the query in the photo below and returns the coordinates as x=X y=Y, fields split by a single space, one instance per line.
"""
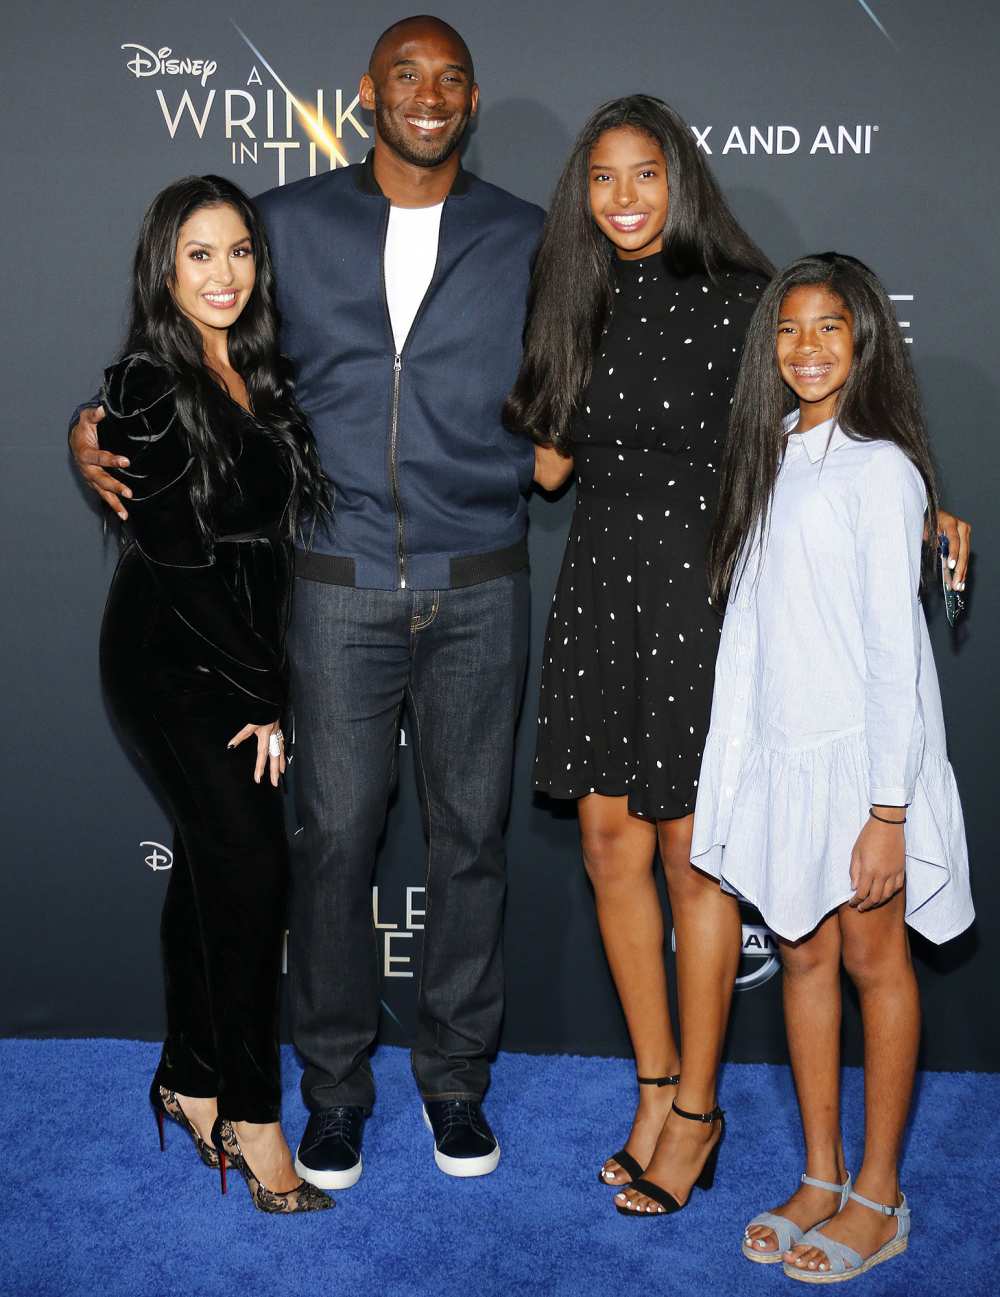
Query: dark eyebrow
x=200 y=243
x=788 y=319
x=650 y=162
x=412 y=63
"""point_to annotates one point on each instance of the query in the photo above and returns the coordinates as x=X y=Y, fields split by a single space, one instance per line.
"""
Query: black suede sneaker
x=329 y=1155
x=464 y=1145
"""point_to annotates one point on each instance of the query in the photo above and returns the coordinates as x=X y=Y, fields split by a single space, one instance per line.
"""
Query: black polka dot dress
x=630 y=647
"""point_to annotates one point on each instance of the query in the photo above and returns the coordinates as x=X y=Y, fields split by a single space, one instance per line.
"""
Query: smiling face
x=815 y=348
x=214 y=271
x=628 y=191
x=422 y=91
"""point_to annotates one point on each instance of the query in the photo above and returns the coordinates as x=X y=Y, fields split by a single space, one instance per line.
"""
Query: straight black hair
x=878 y=402
x=571 y=283
x=159 y=330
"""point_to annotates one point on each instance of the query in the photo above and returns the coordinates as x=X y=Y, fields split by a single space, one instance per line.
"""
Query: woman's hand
x=878 y=861
x=552 y=467
x=959 y=535
x=270 y=749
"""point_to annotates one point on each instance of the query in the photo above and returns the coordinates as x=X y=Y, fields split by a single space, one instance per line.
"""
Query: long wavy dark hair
x=159 y=330
x=571 y=284
x=879 y=401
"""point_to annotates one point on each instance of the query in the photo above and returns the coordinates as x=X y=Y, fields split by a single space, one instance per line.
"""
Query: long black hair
x=159 y=330
x=879 y=401
x=571 y=284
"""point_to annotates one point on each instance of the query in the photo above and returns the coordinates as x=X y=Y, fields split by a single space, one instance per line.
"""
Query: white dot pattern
x=630 y=647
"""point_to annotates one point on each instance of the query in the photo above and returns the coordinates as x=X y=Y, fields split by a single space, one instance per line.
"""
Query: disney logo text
x=146 y=63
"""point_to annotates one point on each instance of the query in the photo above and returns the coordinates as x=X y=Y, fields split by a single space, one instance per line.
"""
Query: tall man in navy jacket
x=402 y=288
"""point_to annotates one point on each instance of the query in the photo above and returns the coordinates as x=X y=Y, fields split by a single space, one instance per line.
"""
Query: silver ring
x=274 y=744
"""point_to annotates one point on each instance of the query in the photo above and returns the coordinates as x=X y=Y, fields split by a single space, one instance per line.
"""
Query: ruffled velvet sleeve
x=141 y=423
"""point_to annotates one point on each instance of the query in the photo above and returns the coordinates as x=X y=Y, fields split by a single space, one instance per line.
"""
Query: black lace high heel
x=625 y=1159
x=706 y=1177
x=304 y=1197
x=165 y=1104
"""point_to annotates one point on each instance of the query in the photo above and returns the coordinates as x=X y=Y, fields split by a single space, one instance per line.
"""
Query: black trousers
x=224 y=912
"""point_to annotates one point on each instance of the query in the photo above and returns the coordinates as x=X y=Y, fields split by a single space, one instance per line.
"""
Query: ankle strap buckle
x=902 y=1209
x=707 y=1117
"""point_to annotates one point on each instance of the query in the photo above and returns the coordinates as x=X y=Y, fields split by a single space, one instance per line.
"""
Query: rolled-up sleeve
x=889 y=545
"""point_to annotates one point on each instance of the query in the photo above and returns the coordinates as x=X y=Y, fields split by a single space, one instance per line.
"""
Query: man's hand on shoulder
x=91 y=461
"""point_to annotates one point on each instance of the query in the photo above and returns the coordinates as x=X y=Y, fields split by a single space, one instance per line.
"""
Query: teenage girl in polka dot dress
x=664 y=284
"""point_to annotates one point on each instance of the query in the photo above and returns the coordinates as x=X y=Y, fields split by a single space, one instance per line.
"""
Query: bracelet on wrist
x=882 y=819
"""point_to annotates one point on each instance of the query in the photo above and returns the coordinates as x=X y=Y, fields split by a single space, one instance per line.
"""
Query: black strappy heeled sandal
x=706 y=1177
x=624 y=1159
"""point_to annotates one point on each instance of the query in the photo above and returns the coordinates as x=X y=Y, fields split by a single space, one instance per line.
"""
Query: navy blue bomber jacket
x=430 y=487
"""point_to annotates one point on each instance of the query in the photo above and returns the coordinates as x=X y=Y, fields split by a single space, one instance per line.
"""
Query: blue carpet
x=91 y=1207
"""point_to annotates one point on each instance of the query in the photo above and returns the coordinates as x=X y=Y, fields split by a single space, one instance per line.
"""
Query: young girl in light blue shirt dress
x=825 y=796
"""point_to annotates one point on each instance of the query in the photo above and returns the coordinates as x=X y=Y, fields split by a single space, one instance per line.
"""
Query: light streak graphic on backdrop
x=874 y=17
x=315 y=123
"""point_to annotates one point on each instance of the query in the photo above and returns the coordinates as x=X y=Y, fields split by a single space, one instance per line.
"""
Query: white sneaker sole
x=463 y=1167
x=329 y=1179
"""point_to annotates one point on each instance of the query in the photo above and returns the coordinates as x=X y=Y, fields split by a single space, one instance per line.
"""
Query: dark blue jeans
x=456 y=658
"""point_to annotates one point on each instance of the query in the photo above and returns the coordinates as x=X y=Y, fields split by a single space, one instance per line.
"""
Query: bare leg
x=811 y=989
x=265 y=1149
x=707 y=923
x=876 y=955
x=618 y=855
x=201 y=1113
x=263 y=1143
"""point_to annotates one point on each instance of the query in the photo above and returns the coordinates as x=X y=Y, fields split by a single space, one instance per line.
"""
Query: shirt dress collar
x=822 y=440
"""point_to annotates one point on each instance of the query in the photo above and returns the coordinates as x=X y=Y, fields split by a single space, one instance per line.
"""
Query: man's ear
x=366 y=93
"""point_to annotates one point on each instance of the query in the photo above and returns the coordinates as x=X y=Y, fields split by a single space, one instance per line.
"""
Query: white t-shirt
x=411 y=245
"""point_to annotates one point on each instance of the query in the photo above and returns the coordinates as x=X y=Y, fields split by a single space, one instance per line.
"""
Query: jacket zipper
x=397 y=367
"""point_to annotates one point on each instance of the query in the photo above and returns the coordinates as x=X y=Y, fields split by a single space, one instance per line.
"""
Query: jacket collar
x=822 y=440
x=366 y=182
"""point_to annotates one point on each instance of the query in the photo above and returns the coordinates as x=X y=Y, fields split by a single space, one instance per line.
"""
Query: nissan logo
x=757 y=943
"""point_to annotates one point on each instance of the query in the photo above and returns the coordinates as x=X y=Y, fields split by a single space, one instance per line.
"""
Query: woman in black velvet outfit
x=221 y=469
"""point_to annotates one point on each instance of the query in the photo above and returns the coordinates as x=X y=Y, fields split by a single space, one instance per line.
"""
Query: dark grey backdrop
x=87 y=143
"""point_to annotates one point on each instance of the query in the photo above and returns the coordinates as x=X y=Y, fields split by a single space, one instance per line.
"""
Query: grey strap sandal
x=787 y=1232
x=844 y=1262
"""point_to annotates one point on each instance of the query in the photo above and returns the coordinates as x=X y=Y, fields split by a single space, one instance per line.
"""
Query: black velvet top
x=185 y=610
